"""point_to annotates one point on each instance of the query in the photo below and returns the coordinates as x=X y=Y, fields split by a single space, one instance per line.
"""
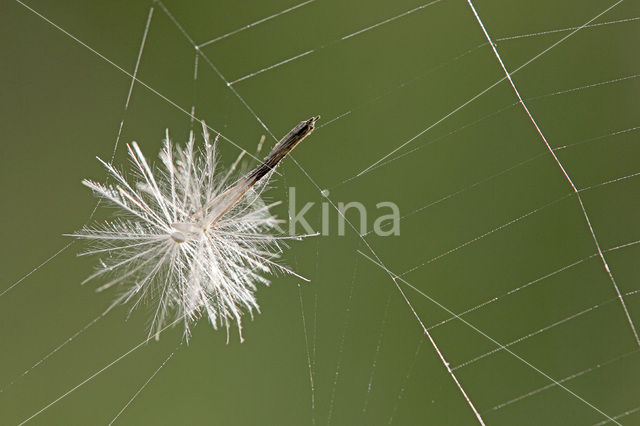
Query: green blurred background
x=61 y=105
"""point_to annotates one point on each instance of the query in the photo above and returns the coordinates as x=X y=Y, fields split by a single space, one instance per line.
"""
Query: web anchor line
x=253 y=24
x=485 y=335
x=95 y=374
x=115 y=148
x=481 y=93
x=308 y=354
x=144 y=385
x=559 y=164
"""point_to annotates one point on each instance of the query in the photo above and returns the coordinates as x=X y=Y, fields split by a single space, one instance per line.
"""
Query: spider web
x=506 y=133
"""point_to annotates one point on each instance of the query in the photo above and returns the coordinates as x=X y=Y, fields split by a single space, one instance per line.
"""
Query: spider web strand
x=564 y=172
x=494 y=341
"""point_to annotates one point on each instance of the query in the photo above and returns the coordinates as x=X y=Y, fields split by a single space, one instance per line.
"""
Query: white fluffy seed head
x=161 y=246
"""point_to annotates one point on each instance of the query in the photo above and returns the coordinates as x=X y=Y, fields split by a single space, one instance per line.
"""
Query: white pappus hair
x=186 y=236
